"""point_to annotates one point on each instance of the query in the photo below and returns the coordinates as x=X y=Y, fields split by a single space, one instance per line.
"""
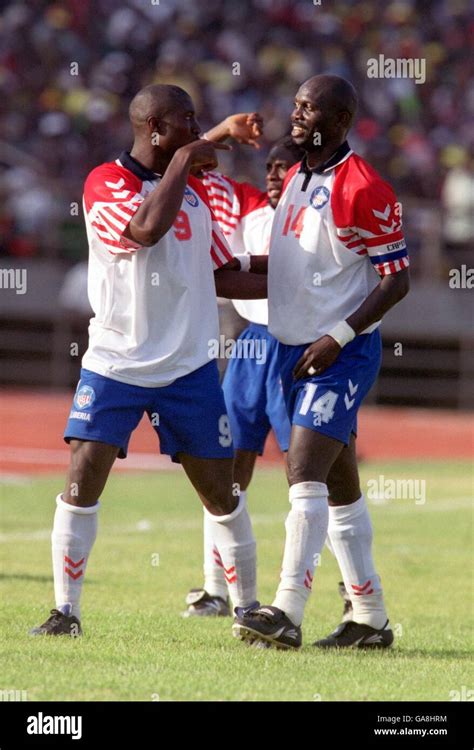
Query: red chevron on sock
x=217 y=557
x=230 y=580
x=74 y=576
x=71 y=562
x=308 y=580
x=362 y=590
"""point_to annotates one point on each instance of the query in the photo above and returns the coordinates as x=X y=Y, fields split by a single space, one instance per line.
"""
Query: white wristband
x=244 y=262
x=342 y=333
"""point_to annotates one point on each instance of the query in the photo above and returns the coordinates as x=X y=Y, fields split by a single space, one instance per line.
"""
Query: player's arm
x=158 y=211
x=324 y=352
x=377 y=218
x=259 y=264
x=233 y=284
x=244 y=127
x=391 y=290
x=253 y=263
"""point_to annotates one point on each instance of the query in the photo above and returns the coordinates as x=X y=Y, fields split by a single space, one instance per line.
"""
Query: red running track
x=32 y=424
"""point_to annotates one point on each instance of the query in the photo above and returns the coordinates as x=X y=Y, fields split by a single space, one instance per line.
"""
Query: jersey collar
x=340 y=155
x=143 y=173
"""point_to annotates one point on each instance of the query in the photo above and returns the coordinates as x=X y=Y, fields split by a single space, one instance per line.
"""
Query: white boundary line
x=258 y=519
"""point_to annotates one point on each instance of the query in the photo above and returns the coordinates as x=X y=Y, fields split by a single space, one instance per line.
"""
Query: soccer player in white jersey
x=252 y=384
x=337 y=263
x=156 y=258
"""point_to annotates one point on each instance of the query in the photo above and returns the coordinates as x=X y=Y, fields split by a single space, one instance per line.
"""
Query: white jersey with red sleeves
x=245 y=217
x=336 y=230
x=155 y=308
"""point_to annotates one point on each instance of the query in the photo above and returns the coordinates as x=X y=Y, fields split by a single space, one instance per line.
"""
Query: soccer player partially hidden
x=252 y=384
x=337 y=263
x=156 y=258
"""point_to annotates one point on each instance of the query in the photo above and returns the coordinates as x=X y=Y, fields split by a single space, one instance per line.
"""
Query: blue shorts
x=189 y=415
x=328 y=403
x=253 y=392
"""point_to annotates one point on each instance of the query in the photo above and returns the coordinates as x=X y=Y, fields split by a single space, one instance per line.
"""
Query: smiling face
x=323 y=112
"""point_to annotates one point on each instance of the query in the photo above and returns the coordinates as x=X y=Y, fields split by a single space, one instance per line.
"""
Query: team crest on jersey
x=190 y=198
x=84 y=397
x=319 y=197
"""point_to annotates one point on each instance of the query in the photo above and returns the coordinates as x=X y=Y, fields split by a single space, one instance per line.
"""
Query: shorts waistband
x=259 y=328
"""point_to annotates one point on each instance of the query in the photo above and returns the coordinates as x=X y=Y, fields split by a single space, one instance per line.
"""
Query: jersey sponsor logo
x=191 y=198
x=319 y=197
x=84 y=397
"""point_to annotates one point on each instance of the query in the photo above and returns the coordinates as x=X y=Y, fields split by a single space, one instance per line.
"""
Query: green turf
x=137 y=647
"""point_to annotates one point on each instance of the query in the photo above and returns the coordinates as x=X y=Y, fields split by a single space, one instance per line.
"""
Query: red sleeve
x=231 y=200
x=220 y=251
x=250 y=198
x=111 y=198
x=368 y=216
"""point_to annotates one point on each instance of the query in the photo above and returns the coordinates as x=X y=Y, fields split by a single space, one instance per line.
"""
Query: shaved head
x=163 y=120
x=332 y=93
x=325 y=108
x=155 y=101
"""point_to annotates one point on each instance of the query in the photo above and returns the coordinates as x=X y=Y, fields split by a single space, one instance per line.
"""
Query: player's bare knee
x=342 y=495
x=343 y=486
x=301 y=470
x=87 y=474
x=243 y=468
x=220 y=502
x=243 y=477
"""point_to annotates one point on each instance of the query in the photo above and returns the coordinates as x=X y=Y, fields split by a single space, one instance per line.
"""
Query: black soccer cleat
x=267 y=624
x=347 y=611
x=352 y=634
x=202 y=604
x=59 y=624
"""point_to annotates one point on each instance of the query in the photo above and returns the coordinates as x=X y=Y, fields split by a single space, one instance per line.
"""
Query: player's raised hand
x=246 y=128
x=317 y=358
x=202 y=155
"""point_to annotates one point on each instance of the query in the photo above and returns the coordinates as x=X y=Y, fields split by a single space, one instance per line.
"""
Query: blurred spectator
x=69 y=69
x=458 y=203
x=73 y=295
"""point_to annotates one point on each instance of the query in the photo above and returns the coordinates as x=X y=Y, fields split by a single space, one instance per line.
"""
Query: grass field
x=137 y=647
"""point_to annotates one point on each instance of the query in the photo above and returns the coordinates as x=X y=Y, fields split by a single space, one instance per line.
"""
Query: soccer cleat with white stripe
x=202 y=604
x=269 y=625
x=352 y=634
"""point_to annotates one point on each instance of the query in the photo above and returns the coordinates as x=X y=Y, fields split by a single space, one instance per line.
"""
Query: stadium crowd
x=69 y=69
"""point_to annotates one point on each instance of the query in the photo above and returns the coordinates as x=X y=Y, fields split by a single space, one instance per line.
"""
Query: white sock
x=234 y=540
x=306 y=529
x=350 y=532
x=214 y=581
x=329 y=546
x=74 y=533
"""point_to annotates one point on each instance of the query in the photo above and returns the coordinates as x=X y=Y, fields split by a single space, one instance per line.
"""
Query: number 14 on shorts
x=322 y=408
